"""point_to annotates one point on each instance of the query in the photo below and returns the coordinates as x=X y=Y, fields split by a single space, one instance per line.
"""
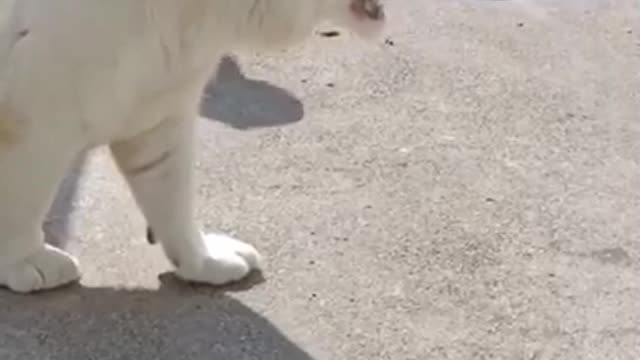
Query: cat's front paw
x=48 y=268
x=226 y=260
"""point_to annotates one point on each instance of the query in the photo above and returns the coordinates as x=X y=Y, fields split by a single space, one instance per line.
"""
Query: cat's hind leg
x=158 y=166
x=31 y=168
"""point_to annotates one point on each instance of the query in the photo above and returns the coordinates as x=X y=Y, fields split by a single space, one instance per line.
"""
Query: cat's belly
x=146 y=115
x=129 y=102
x=179 y=99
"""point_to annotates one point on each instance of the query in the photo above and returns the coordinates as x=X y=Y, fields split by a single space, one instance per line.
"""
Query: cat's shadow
x=243 y=103
x=177 y=321
x=56 y=226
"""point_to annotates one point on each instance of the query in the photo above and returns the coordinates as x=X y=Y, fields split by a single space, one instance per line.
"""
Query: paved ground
x=463 y=191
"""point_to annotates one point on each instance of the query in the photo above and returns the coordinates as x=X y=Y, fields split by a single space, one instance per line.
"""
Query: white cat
x=76 y=74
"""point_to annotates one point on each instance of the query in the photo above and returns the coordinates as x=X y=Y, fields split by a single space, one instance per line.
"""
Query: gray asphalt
x=465 y=189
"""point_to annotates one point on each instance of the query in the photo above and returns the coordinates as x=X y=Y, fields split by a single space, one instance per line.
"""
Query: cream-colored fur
x=76 y=74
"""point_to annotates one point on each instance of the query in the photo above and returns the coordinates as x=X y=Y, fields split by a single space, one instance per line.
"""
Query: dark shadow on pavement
x=243 y=103
x=56 y=225
x=177 y=321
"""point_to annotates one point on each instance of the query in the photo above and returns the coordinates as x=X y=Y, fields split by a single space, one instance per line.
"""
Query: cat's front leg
x=158 y=166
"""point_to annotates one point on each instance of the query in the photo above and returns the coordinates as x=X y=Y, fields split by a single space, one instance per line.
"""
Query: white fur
x=128 y=74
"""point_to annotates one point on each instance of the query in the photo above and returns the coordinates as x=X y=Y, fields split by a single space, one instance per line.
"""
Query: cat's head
x=365 y=18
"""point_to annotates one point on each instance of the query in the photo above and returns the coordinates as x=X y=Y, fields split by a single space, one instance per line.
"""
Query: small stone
x=331 y=33
x=389 y=42
x=150 y=236
x=520 y=24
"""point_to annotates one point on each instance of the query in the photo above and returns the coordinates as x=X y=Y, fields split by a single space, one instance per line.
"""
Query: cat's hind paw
x=48 y=268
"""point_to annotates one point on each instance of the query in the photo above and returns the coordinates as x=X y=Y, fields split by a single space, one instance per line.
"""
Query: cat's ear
x=366 y=18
